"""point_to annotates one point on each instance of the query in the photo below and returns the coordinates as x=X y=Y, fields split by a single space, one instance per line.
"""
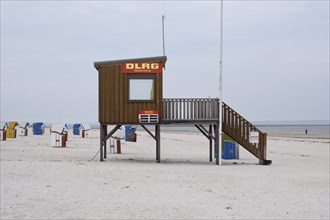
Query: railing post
x=204 y=108
x=177 y=108
x=172 y=109
x=210 y=140
x=240 y=126
x=194 y=108
x=232 y=126
x=224 y=118
x=184 y=108
x=164 y=109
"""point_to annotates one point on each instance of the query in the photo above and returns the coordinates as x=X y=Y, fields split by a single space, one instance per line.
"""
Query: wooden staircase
x=239 y=129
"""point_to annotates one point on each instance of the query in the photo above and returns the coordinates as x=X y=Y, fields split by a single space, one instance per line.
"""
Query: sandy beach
x=43 y=182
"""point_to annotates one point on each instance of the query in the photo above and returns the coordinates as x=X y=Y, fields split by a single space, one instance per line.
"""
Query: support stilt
x=157 y=129
x=208 y=134
x=101 y=141
x=210 y=139
x=217 y=142
x=156 y=137
x=105 y=131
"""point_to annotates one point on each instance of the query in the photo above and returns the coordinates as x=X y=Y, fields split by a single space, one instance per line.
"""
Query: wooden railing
x=207 y=110
x=190 y=109
x=238 y=128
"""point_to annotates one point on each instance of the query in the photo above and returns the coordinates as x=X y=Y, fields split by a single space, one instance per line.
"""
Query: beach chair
x=38 y=128
x=115 y=145
x=59 y=135
x=3 y=127
x=85 y=130
x=76 y=129
x=130 y=133
x=119 y=137
x=66 y=133
x=23 y=130
x=11 y=131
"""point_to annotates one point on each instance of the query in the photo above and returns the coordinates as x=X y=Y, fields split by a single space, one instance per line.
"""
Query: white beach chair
x=58 y=135
x=23 y=129
x=3 y=126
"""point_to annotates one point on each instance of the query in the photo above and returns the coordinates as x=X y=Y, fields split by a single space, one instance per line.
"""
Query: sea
x=277 y=129
x=304 y=130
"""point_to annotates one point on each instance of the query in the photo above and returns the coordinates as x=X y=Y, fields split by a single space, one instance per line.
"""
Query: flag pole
x=220 y=83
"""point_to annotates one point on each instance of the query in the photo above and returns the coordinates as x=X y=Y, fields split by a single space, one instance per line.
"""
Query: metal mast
x=220 y=82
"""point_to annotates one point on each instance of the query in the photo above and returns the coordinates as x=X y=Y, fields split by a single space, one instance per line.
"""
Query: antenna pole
x=220 y=83
x=163 y=19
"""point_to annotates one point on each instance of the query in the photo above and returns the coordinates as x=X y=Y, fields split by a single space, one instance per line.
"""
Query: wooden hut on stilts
x=131 y=92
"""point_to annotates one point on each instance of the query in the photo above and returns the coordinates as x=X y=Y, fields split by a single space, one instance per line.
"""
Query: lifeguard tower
x=131 y=92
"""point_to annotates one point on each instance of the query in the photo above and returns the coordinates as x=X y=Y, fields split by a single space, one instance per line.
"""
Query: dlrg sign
x=142 y=68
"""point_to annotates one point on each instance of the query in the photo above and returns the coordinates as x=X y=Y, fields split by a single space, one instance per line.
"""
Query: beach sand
x=42 y=182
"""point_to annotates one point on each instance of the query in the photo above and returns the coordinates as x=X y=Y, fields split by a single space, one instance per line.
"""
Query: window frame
x=141 y=76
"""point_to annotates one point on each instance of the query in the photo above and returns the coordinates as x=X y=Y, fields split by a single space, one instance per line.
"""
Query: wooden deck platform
x=204 y=115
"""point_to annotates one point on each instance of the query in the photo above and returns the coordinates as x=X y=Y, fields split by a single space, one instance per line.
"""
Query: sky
x=275 y=55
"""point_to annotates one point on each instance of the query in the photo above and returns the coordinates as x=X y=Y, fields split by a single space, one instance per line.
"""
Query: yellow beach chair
x=11 y=131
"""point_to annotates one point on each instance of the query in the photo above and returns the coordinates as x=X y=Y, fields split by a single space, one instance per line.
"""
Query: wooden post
x=63 y=139
x=266 y=162
x=210 y=130
x=217 y=142
x=262 y=147
x=105 y=132
x=157 y=129
x=118 y=146
x=101 y=141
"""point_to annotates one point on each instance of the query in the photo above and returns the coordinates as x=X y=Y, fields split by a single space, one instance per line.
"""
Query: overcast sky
x=276 y=55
